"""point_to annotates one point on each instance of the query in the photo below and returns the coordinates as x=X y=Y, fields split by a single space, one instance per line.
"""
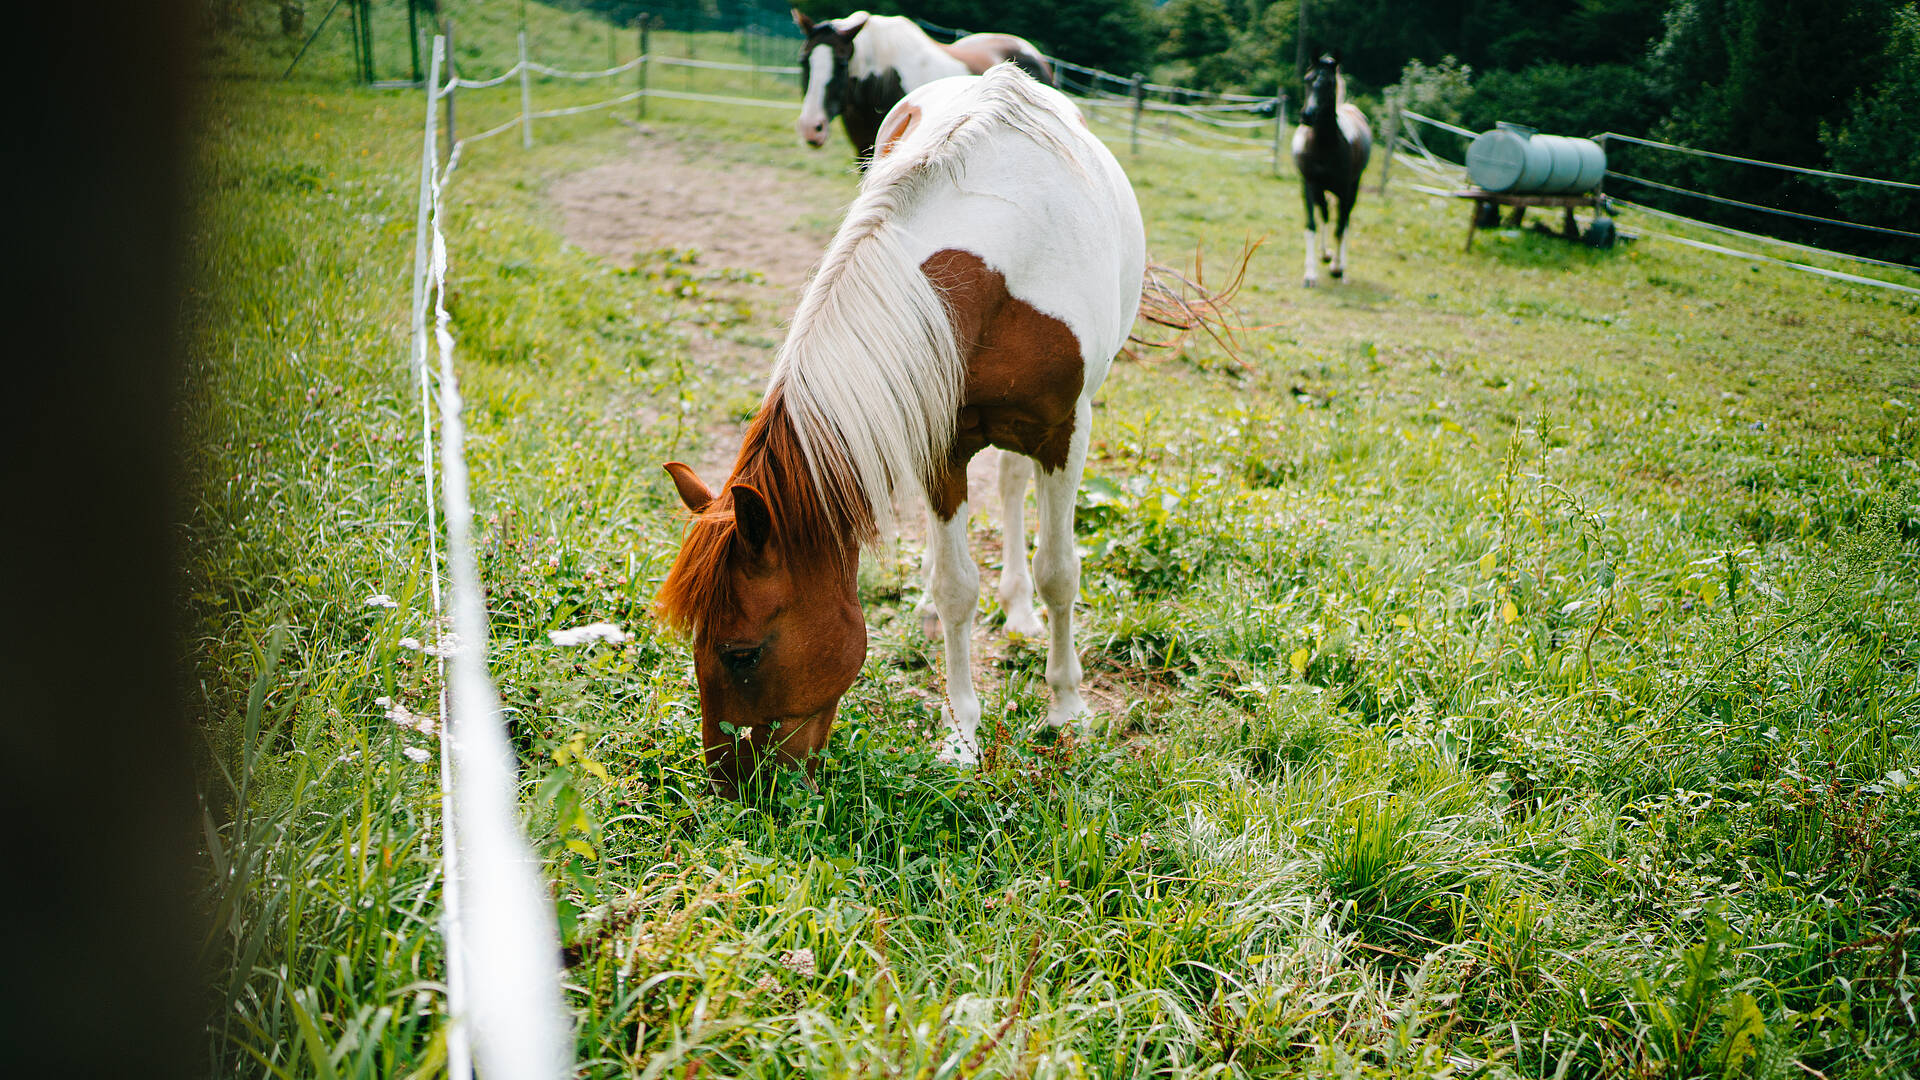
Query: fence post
x=526 y=97
x=1279 y=125
x=646 y=60
x=366 y=36
x=453 y=78
x=1393 y=132
x=1139 y=104
x=413 y=38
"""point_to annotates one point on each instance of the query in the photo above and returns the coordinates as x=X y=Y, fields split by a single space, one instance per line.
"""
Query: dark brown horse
x=858 y=66
x=1330 y=150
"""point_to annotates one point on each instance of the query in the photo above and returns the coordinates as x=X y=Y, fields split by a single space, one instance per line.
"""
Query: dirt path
x=758 y=230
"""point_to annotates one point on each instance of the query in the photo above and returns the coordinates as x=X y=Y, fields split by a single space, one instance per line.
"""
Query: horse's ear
x=1335 y=57
x=752 y=518
x=848 y=28
x=805 y=24
x=693 y=490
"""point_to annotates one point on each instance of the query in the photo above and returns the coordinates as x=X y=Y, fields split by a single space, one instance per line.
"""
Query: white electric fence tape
x=502 y=942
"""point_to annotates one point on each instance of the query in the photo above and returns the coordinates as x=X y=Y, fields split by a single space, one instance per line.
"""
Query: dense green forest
x=1832 y=86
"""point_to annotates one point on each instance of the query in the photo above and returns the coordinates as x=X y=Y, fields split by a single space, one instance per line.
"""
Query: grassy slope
x=1512 y=662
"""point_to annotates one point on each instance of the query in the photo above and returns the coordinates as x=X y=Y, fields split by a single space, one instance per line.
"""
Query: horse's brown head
x=770 y=603
x=823 y=72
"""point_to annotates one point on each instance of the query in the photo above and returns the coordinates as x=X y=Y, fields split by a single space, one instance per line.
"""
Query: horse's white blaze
x=1003 y=168
x=812 y=124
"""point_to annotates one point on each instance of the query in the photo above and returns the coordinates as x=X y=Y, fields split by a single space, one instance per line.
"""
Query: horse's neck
x=1326 y=125
x=771 y=461
x=895 y=43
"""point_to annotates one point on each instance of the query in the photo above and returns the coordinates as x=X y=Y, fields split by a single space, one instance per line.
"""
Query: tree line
x=1833 y=86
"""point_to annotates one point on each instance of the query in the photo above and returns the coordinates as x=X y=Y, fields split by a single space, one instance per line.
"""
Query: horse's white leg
x=928 y=612
x=1056 y=569
x=1313 y=269
x=1016 y=584
x=956 y=592
x=1340 y=255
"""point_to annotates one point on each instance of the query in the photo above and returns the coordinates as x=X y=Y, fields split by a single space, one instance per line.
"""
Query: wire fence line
x=1725 y=201
x=1413 y=150
x=1616 y=136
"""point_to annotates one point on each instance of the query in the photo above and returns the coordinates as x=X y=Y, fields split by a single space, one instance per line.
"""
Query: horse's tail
x=1171 y=299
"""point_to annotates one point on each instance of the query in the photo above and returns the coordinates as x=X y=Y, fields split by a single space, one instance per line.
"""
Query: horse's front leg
x=956 y=592
x=1056 y=568
x=1016 y=583
x=1310 y=238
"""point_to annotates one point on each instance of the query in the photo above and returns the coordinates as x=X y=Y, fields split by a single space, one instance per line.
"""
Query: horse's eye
x=740 y=659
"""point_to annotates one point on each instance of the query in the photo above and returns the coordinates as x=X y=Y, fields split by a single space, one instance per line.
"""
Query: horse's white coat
x=1003 y=168
x=886 y=42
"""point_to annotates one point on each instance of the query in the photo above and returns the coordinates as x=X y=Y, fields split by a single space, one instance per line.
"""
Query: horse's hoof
x=1339 y=272
x=956 y=749
x=1026 y=626
x=930 y=622
x=957 y=752
x=1310 y=282
x=1326 y=258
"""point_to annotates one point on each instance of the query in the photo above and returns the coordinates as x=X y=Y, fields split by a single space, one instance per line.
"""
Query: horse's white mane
x=870 y=370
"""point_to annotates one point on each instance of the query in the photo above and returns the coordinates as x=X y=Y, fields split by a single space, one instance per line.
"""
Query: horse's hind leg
x=1016 y=583
x=1056 y=568
x=927 y=610
x=1340 y=230
x=1309 y=195
x=955 y=588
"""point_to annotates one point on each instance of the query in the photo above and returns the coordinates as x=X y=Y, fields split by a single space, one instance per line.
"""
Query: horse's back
x=981 y=51
x=1039 y=199
x=1353 y=125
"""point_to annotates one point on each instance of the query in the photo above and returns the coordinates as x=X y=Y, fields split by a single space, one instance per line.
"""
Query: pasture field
x=1505 y=666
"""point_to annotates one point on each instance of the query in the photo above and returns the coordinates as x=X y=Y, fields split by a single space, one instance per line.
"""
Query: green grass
x=1511 y=663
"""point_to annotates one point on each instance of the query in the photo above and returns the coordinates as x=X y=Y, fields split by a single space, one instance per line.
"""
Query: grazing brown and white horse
x=859 y=66
x=1330 y=150
x=984 y=278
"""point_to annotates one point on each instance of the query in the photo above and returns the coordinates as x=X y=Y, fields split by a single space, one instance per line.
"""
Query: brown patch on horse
x=903 y=122
x=1023 y=379
x=981 y=51
x=699 y=588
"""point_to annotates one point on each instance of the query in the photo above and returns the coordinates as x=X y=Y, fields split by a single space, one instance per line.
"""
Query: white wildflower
x=382 y=600
x=446 y=645
x=411 y=643
x=417 y=755
x=582 y=635
x=799 y=961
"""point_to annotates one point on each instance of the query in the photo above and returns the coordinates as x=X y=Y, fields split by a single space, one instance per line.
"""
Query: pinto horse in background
x=858 y=67
x=976 y=294
x=1330 y=150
